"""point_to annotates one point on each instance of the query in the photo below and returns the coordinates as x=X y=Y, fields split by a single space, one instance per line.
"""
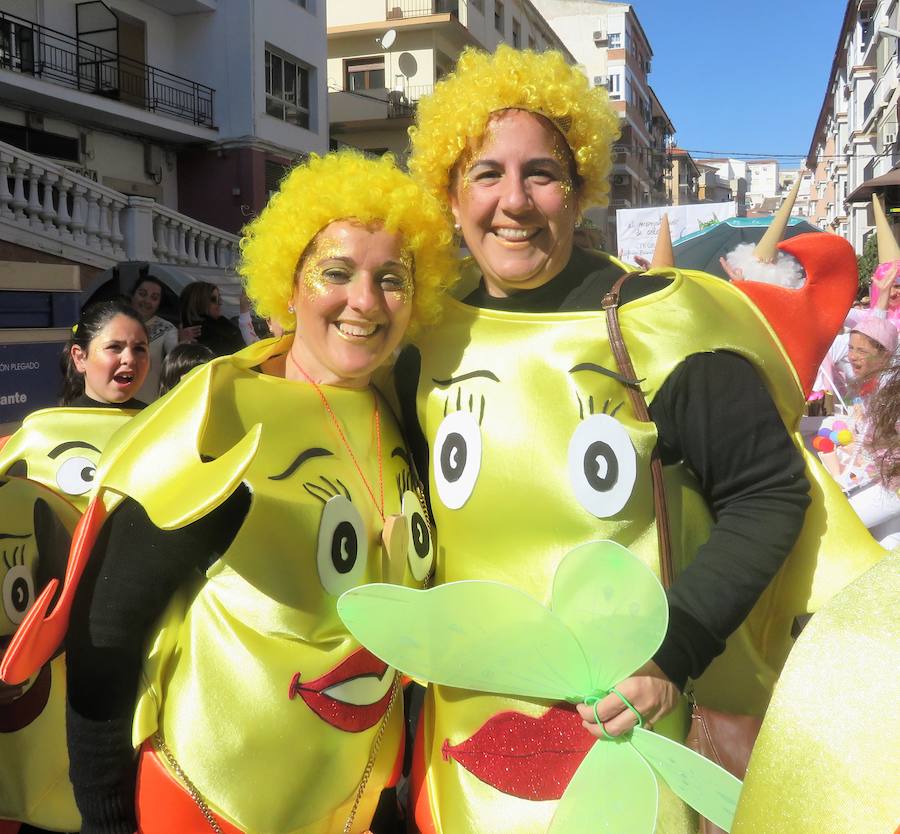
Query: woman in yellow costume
x=518 y=405
x=105 y=361
x=229 y=517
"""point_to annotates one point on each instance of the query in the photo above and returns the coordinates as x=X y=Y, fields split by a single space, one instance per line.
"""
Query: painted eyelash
x=591 y=411
x=330 y=490
x=404 y=483
x=19 y=548
x=459 y=404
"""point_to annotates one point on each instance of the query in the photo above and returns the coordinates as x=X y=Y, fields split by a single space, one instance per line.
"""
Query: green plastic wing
x=613 y=792
x=614 y=605
x=706 y=787
x=472 y=634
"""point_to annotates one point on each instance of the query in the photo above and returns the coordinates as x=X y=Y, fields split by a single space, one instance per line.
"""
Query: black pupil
x=419 y=535
x=87 y=474
x=453 y=457
x=593 y=468
x=344 y=547
x=20 y=594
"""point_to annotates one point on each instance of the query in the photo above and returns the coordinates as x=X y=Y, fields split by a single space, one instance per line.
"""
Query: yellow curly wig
x=342 y=186
x=462 y=103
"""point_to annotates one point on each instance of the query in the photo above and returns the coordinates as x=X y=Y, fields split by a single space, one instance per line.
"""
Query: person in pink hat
x=873 y=342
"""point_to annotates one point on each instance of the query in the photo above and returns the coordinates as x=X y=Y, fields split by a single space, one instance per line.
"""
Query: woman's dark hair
x=195 y=300
x=883 y=411
x=179 y=361
x=93 y=319
x=148 y=279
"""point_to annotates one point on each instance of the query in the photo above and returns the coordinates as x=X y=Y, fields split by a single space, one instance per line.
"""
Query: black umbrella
x=702 y=250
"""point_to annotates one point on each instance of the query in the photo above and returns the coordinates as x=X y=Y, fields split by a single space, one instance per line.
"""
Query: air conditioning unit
x=600 y=36
x=890 y=139
x=647 y=66
x=618 y=179
x=601 y=80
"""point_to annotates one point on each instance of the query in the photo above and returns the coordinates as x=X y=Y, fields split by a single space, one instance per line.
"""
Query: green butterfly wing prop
x=706 y=787
x=612 y=792
x=475 y=635
x=614 y=606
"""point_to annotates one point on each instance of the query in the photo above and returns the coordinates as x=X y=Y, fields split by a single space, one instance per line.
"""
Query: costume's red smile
x=353 y=696
x=19 y=708
x=530 y=758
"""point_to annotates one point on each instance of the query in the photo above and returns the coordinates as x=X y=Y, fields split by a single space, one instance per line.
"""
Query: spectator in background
x=146 y=296
x=180 y=360
x=201 y=304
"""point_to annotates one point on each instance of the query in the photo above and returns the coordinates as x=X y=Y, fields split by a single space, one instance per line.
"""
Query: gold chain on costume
x=161 y=745
x=376 y=746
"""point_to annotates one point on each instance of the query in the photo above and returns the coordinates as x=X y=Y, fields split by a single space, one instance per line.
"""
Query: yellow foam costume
x=35 y=530
x=268 y=706
x=518 y=410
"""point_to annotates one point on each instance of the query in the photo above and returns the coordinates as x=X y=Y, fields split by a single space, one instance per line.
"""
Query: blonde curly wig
x=461 y=105
x=345 y=186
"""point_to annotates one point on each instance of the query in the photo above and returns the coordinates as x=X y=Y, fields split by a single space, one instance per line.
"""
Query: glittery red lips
x=530 y=758
x=351 y=718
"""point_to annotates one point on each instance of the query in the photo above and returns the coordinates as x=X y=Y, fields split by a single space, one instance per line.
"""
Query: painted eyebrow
x=599 y=369
x=305 y=455
x=71 y=444
x=541 y=160
x=15 y=536
x=444 y=383
x=401 y=453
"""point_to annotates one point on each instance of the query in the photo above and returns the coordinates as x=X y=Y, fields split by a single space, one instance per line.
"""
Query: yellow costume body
x=266 y=703
x=535 y=450
x=57 y=448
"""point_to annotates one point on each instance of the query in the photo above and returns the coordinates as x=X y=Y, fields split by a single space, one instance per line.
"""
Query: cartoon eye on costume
x=602 y=465
x=76 y=476
x=421 y=550
x=343 y=546
x=18 y=593
x=457 y=458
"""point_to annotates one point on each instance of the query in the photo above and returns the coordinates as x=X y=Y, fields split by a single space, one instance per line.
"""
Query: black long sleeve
x=134 y=570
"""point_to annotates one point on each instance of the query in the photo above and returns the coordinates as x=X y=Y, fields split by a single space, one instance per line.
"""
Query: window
x=615 y=40
x=364 y=74
x=287 y=88
x=516 y=34
x=615 y=87
x=499 y=23
x=531 y=43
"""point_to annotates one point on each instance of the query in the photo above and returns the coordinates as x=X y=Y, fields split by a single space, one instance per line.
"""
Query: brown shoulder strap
x=610 y=304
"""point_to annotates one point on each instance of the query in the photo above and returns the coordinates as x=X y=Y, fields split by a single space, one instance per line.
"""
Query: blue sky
x=742 y=77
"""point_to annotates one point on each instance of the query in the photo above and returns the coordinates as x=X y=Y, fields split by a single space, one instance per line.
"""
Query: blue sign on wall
x=30 y=378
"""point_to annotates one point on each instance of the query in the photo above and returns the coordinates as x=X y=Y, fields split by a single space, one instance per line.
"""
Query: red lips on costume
x=529 y=758
x=350 y=718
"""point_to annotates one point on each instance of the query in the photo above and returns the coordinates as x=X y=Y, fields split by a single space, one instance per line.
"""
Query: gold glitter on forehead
x=407 y=285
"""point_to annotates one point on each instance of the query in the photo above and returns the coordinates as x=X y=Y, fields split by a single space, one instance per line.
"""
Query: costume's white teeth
x=363 y=690
x=515 y=234
x=356 y=329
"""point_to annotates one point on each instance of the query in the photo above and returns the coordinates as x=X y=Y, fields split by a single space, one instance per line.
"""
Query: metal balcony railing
x=399 y=9
x=36 y=50
x=403 y=104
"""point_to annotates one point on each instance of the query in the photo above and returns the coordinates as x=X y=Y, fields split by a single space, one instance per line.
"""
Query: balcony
x=366 y=108
x=43 y=53
x=402 y=9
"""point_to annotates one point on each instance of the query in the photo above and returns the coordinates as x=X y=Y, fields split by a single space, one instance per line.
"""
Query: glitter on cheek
x=312 y=276
x=407 y=286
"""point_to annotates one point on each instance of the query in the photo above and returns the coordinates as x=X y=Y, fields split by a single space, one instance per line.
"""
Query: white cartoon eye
x=343 y=547
x=18 y=593
x=602 y=465
x=457 y=458
x=421 y=546
x=76 y=476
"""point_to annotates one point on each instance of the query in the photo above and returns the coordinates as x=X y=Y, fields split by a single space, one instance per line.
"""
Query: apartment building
x=383 y=55
x=730 y=178
x=610 y=44
x=196 y=105
x=855 y=137
x=682 y=179
x=762 y=181
x=786 y=180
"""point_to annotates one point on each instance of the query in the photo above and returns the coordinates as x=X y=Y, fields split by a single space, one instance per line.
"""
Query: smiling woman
x=244 y=503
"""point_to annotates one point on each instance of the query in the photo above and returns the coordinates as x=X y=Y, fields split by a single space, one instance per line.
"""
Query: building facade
x=855 y=136
x=683 y=179
x=383 y=55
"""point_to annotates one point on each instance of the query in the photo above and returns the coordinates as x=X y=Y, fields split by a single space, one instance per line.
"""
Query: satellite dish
x=388 y=38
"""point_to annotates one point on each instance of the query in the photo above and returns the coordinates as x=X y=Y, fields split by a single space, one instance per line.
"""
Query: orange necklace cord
x=379 y=505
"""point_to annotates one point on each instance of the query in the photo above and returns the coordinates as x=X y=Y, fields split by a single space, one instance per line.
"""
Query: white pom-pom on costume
x=785 y=272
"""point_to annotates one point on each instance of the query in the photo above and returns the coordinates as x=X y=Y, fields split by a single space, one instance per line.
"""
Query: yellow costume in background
x=828 y=755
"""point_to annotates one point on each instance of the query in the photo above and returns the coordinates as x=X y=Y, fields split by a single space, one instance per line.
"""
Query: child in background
x=179 y=361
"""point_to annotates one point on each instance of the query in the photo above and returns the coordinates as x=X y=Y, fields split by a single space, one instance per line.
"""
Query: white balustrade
x=41 y=200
